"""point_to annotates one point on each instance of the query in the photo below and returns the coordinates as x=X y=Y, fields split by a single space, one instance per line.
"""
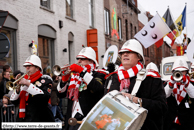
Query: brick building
x=121 y=21
x=59 y=27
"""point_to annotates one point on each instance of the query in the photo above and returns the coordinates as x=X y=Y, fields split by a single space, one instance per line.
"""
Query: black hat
x=15 y=73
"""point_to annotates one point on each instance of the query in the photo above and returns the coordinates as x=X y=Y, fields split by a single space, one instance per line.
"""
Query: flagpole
x=175 y=25
x=186 y=23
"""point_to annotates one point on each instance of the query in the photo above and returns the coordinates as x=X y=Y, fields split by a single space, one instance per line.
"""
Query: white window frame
x=91 y=13
x=106 y=21
x=119 y=28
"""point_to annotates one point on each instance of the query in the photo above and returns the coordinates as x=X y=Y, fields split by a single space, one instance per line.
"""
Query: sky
x=176 y=8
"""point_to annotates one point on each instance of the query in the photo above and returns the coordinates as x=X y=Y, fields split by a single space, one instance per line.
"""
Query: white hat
x=152 y=66
x=180 y=64
x=133 y=45
x=33 y=60
x=89 y=53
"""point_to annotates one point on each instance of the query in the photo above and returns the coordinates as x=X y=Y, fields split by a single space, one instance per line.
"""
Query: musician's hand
x=65 y=78
x=76 y=68
x=17 y=76
x=24 y=82
x=185 y=80
x=171 y=82
x=131 y=98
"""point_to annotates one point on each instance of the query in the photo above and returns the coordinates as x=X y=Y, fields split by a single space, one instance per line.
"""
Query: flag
x=169 y=21
x=153 y=31
x=179 y=50
x=171 y=36
x=181 y=23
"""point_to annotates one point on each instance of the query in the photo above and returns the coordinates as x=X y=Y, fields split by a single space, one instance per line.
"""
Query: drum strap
x=140 y=77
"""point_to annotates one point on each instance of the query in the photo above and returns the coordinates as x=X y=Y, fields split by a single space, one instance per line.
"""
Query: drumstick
x=73 y=121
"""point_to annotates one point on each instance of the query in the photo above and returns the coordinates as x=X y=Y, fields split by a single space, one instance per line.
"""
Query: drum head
x=190 y=52
x=4 y=45
x=110 y=55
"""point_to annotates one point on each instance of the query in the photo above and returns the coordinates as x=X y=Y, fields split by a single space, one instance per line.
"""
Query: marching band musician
x=151 y=93
x=180 y=99
x=85 y=87
x=34 y=93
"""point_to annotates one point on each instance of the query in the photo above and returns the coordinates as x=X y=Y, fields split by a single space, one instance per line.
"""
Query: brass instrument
x=11 y=85
x=191 y=75
x=57 y=70
x=177 y=76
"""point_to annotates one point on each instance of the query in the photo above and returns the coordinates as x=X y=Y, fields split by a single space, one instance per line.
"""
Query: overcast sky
x=176 y=8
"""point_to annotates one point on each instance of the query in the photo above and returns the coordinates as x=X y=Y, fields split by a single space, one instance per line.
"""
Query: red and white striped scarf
x=24 y=95
x=76 y=81
x=179 y=90
x=125 y=75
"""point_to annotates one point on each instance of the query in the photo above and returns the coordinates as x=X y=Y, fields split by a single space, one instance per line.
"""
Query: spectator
x=55 y=99
x=3 y=89
x=7 y=68
x=7 y=113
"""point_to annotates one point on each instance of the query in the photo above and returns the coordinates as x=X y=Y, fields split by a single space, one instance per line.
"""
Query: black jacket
x=153 y=98
x=87 y=98
x=3 y=89
x=37 y=105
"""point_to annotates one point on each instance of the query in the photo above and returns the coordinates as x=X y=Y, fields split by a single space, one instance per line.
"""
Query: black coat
x=37 y=105
x=3 y=89
x=87 y=98
x=153 y=98
x=185 y=115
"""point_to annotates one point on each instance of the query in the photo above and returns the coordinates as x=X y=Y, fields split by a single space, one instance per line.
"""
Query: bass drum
x=114 y=111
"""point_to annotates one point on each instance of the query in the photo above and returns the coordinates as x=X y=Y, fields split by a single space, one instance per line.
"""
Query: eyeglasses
x=82 y=58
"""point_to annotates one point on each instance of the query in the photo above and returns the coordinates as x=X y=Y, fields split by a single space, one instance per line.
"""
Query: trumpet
x=11 y=85
x=177 y=76
x=191 y=75
x=57 y=70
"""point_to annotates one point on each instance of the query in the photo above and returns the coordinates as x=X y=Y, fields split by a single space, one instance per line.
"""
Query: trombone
x=11 y=85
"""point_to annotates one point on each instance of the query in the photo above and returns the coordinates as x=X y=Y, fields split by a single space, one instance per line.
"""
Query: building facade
x=59 y=28
x=121 y=21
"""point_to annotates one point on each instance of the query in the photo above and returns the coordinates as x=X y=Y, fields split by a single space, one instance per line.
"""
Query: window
x=71 y=48
x=69 y=8
x=91 y=15
x=126 y=29
x=46 y=53
x=119 y=28
x=45 y=3
x=106 y=21
x=11 y=58
x=131 y=26
x=135 y=30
